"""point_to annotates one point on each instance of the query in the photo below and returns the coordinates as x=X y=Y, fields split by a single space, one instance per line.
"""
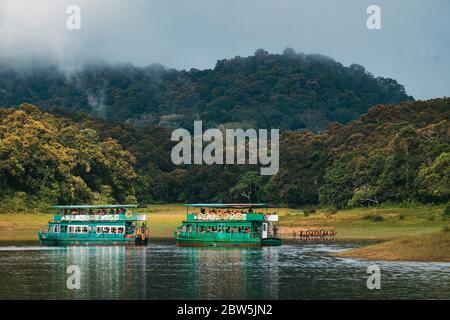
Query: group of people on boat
x=220 y=229
x=91 y=212
x=223 y=211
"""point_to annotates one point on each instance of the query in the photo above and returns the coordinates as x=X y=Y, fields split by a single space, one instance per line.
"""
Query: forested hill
x=286 y=91
x=392 y=153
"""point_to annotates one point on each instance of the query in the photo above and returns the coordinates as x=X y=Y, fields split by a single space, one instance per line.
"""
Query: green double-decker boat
x=95 y=225
x=229 y=225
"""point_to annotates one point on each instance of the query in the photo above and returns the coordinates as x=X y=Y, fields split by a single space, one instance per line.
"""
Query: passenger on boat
x=124 y=211
x=111 y=211
x=90 y=211
x=275 y=231
x=143 y=228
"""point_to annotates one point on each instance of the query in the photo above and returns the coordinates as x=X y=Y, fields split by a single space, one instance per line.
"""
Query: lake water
x=164 y=271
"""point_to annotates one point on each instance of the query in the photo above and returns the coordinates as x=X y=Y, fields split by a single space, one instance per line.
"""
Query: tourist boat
x=95 y=225
x=228 y=225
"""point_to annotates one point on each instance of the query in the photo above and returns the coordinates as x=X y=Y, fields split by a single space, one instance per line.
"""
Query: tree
x=248 y=187
x=434 y=180
x=337 y=188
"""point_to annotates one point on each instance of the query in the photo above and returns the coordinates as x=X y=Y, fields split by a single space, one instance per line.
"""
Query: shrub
x=130 y=199
x=446 y=228
x=332 y=210
x=373 y=217
x=309 y=211
x=446 y=212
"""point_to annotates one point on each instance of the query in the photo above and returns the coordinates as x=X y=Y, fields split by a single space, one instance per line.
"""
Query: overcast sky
x=412 y=47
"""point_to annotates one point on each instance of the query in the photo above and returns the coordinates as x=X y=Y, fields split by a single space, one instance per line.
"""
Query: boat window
x=110 y=229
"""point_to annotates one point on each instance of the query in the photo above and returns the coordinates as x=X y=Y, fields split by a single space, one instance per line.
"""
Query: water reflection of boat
x=232 y=272
x=95 y=225
x=229 y=225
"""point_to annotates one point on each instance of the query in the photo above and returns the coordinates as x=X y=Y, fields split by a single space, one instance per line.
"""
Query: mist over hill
x=287 y=91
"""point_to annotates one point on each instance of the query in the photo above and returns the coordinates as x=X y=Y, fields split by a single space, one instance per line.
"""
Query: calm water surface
x=164 y=271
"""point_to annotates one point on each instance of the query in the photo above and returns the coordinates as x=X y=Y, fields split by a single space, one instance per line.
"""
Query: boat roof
x=229 y=205
x=103 y=206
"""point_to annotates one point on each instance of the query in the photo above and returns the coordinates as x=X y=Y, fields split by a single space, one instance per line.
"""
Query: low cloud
x=411 y=46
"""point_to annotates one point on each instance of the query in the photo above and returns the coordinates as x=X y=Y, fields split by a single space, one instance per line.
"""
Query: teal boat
x=95 y=225
x=218 y=224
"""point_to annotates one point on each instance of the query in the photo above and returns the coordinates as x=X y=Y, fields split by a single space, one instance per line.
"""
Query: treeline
x=394 y=153
x=287 y=91
x=48 y=159
x=391 y=154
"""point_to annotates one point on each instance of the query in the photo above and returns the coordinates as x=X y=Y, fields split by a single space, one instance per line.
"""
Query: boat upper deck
x=230 y=212
x=97 y=213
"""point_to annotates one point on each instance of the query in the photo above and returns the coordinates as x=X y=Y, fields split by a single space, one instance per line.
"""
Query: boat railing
x=64 y=235
x=100 y=217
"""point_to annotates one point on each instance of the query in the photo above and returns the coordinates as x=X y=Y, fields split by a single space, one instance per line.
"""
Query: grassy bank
x=428 y=247
x=367 y=223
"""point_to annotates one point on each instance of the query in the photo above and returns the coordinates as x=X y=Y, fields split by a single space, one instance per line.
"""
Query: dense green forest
x=287 y=91
x=393 y=153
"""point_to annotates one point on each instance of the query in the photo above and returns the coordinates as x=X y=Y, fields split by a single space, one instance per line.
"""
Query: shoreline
x=433 y=247
x=396 y=225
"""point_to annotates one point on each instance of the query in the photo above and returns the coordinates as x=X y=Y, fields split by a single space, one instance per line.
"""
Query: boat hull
x=271 y=242
x=196 y=242
x=49 y=240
